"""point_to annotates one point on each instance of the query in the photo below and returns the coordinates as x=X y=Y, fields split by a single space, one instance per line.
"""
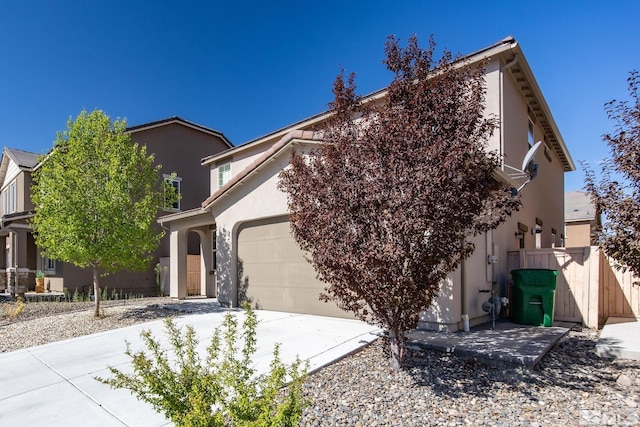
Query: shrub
x=11 y=311
x=221 y=390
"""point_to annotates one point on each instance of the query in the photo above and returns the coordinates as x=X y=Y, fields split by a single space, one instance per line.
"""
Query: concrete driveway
x=54 y=385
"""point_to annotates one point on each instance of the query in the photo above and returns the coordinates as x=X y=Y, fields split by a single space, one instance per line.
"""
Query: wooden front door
x=193 y=276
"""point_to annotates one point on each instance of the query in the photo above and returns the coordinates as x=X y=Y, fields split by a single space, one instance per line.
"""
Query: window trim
x=48 y=264
x=531 y=132
x=10 y=198
x=224 y=174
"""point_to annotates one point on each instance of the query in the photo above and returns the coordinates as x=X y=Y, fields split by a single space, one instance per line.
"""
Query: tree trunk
x=395 y=344
x=96 y=291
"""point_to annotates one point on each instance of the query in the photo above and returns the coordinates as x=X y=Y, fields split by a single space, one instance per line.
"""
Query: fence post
x=592 y=274
x=523 y=258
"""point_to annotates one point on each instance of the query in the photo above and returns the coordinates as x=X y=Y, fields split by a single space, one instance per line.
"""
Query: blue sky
x=247 y=68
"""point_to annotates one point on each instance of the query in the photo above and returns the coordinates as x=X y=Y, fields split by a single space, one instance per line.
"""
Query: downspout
x=463 y=296
x=500 y=99
x=504 y=68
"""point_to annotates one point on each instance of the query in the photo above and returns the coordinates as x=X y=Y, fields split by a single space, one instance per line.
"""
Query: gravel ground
x=44 y=322
x=571 y=386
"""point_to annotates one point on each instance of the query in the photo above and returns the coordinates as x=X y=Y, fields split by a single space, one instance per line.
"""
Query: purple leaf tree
x=385 y=207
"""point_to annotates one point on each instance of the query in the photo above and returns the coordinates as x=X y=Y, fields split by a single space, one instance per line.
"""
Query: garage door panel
x=275 y=274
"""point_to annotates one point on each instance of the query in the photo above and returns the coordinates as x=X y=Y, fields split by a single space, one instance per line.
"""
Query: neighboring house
x=19 y=260
x=244 y=228
x=178 y=145
x=581 y=220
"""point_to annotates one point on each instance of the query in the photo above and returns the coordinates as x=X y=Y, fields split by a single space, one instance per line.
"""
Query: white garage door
x=274 y=274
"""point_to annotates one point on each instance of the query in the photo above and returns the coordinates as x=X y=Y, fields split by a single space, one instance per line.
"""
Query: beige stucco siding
x=248 y=235
x=578 y=234
x=239 y=161
x=514 y=123
x=257 y=197
x=492 y=102
x=543 y=199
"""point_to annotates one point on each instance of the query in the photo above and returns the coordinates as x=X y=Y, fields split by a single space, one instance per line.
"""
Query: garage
x=274 y=275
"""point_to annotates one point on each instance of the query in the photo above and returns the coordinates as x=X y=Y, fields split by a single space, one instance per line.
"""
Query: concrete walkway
x=54 y=385
x=620 y=338
x=509 y=344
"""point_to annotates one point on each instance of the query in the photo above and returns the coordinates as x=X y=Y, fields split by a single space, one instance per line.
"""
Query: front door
x=193 y=276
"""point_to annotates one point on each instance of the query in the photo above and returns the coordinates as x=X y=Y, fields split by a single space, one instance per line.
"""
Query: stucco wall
x=180 y=149
x=256 y=198
x=542 y=201
x=239 y=161
x=578 y=234
x=543 y=207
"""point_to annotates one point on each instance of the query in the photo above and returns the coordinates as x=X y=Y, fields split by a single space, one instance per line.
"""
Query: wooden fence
x=588 y=289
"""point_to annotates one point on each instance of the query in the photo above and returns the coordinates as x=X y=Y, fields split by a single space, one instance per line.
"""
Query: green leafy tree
x=616 y=194
x=221 y=390
x=386 y=206
x=96 y=195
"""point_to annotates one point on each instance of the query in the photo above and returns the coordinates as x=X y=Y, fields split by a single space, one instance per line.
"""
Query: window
x=530 y=136
x=10 y=197
x=224 y=174
x=175 y=182
x=537 y=230
x=48 y=264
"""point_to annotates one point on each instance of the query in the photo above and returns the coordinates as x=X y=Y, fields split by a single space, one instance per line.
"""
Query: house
x=581 y=220
x=177 y=145
x=15 y=175
x=244 y=231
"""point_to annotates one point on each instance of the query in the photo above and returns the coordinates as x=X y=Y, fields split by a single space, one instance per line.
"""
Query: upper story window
x=530 y=135
x=175 y=182
x=224 y=174
x=48 y=264
x=10 y=198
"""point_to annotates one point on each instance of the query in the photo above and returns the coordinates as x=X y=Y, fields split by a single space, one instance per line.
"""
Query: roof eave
x=181 y=121
x=305 y=124
x=540 y=108
x=180 y=215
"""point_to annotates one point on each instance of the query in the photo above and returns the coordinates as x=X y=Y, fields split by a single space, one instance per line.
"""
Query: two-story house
x=177 y=144
x=244 y=225
x=19 y=260
x=582 y=220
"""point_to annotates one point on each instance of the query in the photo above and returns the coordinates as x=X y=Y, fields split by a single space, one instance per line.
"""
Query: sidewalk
x=54 y=385
x=620 y=338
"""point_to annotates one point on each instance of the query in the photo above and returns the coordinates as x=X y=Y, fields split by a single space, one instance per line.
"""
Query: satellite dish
x=529 y=168
x=527 y=164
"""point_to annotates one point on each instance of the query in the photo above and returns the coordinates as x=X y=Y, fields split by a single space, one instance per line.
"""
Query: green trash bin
x=533 y=296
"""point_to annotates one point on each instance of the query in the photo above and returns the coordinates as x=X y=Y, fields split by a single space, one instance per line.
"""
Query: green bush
x=222 y=390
